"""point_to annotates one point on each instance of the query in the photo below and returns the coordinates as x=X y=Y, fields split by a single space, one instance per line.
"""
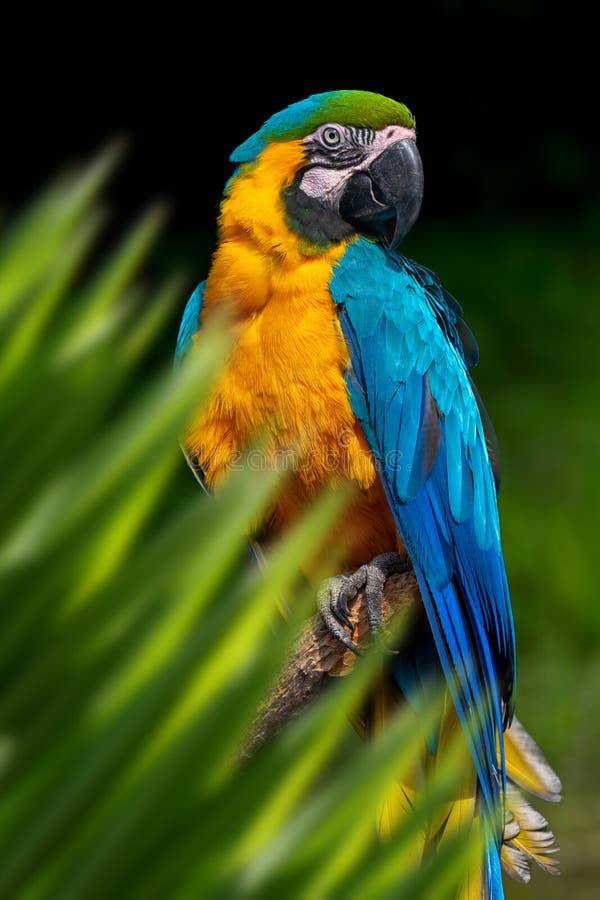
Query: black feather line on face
x=350 y=151
x=316 y=223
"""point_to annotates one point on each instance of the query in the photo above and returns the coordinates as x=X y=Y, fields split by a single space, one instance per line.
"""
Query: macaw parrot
x=358 y=359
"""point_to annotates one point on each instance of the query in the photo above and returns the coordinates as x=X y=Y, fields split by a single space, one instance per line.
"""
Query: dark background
x=504 y=95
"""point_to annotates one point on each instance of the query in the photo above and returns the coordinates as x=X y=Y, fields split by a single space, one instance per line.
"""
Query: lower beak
x=391 y=187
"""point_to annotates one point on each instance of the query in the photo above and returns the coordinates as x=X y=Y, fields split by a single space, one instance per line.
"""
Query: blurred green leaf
x=136 y=640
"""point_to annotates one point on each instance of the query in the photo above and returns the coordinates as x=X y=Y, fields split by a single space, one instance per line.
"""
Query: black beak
x=391 y=186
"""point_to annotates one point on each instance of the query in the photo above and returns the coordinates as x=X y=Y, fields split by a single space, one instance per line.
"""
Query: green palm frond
x=136 y=642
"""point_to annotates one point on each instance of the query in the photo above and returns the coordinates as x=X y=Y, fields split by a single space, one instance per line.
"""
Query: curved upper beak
x=392 y=185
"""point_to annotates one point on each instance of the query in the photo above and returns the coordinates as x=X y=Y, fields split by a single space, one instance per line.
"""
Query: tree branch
x=318 y=655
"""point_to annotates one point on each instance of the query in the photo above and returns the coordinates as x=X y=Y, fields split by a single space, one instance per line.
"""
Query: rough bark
x=318 y=656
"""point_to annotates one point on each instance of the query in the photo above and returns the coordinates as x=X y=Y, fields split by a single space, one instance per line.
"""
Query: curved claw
x=340 y=607
x=334 y=610
x=334 y=595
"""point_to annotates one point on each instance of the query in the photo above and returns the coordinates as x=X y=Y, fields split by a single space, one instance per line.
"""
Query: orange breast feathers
x=285 y=375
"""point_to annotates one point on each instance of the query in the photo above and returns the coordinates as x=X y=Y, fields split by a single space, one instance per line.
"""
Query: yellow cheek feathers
x=253 y=202
x=286 y=372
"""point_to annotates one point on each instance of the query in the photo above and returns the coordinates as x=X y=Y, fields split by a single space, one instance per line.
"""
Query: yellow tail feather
x=527 y=837
x=527 y=766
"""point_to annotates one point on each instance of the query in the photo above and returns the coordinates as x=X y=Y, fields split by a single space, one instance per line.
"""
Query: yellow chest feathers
x=285 y=375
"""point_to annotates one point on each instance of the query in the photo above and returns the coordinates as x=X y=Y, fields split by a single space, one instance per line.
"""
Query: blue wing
x=190 y=322
x=435 y=449
x=189 y=325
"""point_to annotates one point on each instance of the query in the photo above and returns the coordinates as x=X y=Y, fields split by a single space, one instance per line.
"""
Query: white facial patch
x=320 y=181
x=328 y=175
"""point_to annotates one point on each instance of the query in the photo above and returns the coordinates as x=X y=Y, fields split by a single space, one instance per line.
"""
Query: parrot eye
x=331 y=136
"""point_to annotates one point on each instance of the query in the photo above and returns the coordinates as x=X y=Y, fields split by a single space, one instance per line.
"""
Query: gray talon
x=328 y=599
x=335 y=593
x=373 y=592
x=341 y=611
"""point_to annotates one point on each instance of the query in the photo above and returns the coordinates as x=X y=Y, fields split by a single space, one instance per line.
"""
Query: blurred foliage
x=135 y=639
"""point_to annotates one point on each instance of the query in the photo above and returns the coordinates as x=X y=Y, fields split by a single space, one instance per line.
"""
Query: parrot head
x=358 y=169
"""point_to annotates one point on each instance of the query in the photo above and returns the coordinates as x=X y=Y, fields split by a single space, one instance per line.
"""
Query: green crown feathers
x=358 y=108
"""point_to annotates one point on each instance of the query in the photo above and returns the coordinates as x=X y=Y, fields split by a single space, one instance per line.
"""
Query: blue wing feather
x=188 y=327
x=410 y=389
x=190 y=322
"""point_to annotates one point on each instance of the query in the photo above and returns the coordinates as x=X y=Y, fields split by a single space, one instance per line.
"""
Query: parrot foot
x=335 y=593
